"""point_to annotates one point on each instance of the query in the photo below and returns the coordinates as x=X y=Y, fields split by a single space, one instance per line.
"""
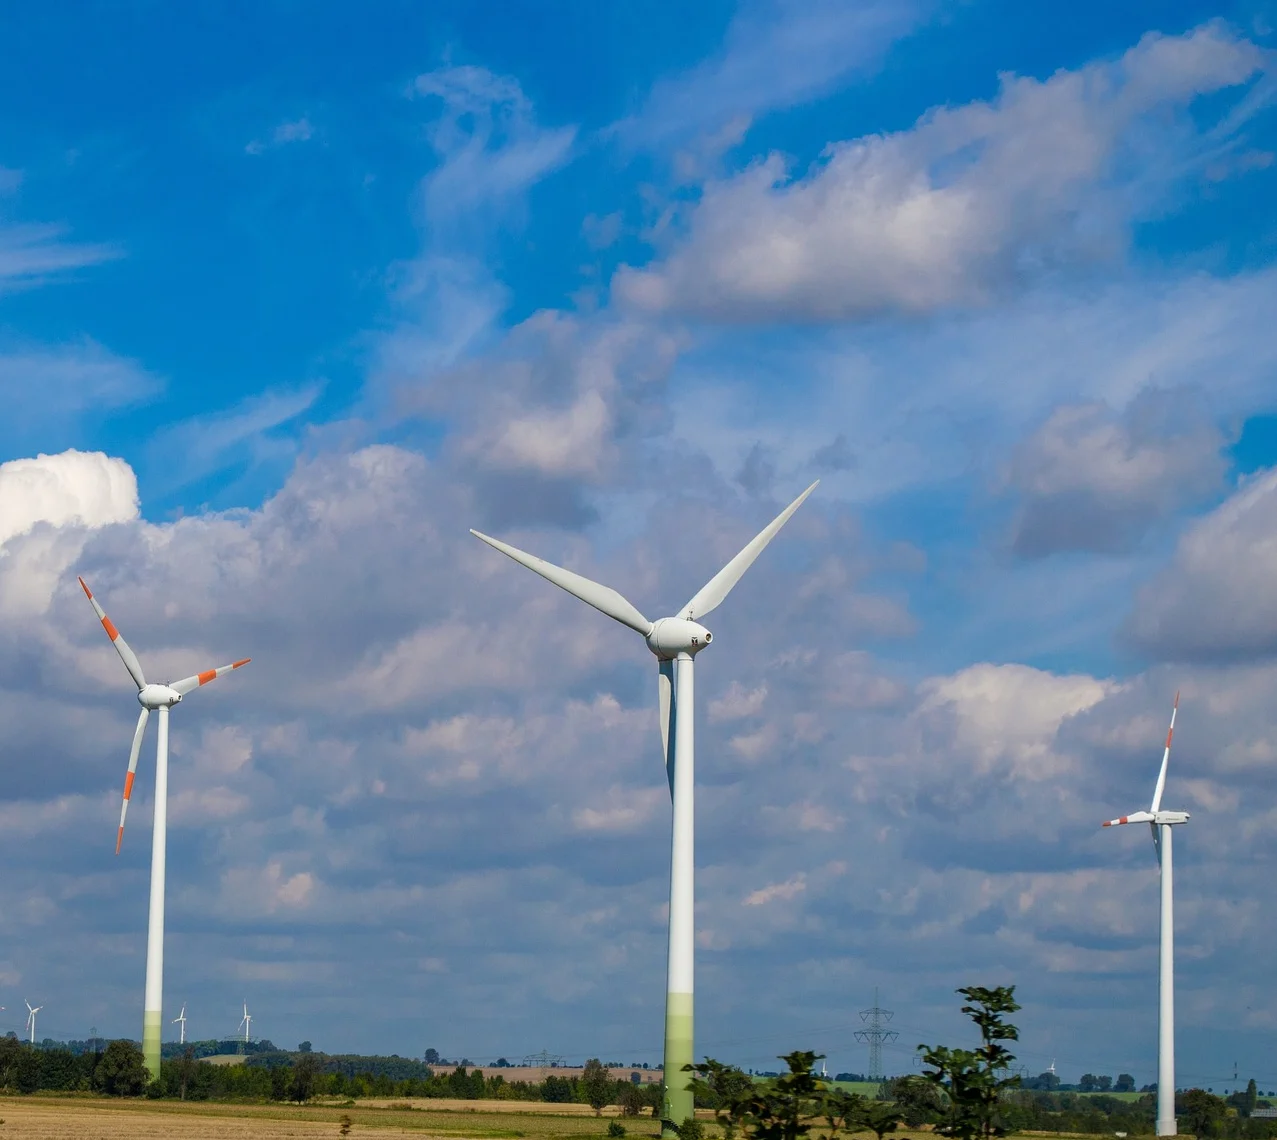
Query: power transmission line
x=875 y=1035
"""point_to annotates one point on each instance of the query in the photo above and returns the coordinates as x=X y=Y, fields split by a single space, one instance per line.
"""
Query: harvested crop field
x=83 y=1118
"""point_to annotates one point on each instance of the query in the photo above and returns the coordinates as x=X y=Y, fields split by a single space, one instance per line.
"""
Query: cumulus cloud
x=559 y=407
x=1091 y=480
x=84 y=488
x=1048 y=173
x=1217 y=600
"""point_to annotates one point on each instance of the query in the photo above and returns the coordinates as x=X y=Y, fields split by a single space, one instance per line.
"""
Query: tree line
x=119 y=1070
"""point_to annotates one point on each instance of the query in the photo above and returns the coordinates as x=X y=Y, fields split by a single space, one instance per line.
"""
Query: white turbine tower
x=180 y=1022
x=246 y=1022
x=152 y=698
x=672 y=640
x=1160 y=823
x=31 y=1012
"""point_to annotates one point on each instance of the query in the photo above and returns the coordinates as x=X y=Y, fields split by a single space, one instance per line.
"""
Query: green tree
x=720 y=1085
x=122 y=1070
x=919 y=1101
x=630 y=1098
x=304 y=1047
x=1201 y=1113
x=556 y=1090
x=11 y=1050
x=784 y=1108
x=185 y=1070
x=303 y=1084
x=1124 y=1083
x=974 y=1081
x=596 y=1082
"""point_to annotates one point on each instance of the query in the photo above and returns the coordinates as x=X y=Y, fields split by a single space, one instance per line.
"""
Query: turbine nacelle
x=673 y=636
x=154 y=697
x=1153 y=817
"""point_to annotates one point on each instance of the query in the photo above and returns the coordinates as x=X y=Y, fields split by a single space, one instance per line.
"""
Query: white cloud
x=1090 y=480
x=971 y=197
x=1008 y=716
x=50 y=383
x=35 y=254
x=252 y=432
x=80 y=488
x=490 y=147
x=774 y=55
x=738 y=702
x=1218 y=598
x=289 y=131
x=789 y=889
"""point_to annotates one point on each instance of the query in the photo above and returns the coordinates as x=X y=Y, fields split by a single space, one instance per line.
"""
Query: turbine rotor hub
x=158 y=697
x=672 y=636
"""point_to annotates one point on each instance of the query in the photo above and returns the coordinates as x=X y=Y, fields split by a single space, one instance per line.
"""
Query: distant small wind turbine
x=1160 y=824
x=246 y=1022
x=31 y=1012
x=152 y=698
x=180 y=1022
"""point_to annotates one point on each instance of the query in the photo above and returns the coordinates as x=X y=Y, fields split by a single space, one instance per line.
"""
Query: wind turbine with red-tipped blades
x=1160 y=823
x=675 y=642
x=159 y=699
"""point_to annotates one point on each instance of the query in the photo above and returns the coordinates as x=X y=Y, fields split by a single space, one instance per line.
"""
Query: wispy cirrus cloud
x=290 y=131
x=774 y=55
x=250 y=432
x=33 y=255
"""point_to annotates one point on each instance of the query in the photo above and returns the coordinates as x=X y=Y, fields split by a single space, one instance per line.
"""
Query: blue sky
x=289 y=302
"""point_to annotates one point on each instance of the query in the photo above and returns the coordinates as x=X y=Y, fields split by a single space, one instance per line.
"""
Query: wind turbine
x=246 y=1022
x=672 y=640
x=152 y=698
x=180 y=1022
x=31 y=1019
x=1160 y=823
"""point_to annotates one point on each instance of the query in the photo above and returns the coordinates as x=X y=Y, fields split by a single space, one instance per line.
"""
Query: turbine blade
x=602 y=598
x=665 y=699
x=710 y=595
x=131 y=663
x=1157 y=841
x=1166 y=757
x=186 y=684
x=138 y=733
x=1134 y=817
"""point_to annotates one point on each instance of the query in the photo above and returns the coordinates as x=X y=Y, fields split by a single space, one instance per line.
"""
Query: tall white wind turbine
x=152 y=698
x=1160 y=823
x=31 y=1012
x=674 y=641
x=246 y=1022
x=180 y=1022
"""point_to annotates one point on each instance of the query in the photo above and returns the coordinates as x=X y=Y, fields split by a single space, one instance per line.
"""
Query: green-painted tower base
x=679 y=1104
x=151 y=1026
